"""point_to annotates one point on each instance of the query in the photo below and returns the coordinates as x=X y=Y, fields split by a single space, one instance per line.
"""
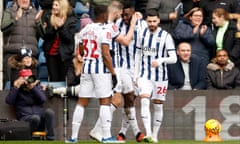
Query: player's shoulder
x=112 y=27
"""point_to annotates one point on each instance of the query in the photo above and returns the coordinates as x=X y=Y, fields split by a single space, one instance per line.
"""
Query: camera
x=71 y=91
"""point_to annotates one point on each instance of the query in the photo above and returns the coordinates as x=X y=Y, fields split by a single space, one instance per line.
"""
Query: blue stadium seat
x=42 y=64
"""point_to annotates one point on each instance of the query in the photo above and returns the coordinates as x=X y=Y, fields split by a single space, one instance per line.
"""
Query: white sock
x=125 y=123
x=106 y=120
x=157 y=119
x=133 y=120
x=146 y=116
x=98 y=126
x=77 y=119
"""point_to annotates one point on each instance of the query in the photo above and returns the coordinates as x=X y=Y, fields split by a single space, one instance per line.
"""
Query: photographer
x=28 y=98
x=22 y=60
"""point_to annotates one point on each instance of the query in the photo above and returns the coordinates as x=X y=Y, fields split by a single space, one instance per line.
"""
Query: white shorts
x=127 y=81
x=95 y=85
x=155 y=89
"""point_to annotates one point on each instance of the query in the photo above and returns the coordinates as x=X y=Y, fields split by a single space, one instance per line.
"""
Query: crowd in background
x=199 y=23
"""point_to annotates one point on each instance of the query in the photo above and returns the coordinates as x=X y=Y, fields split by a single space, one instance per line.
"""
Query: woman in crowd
x=58 y=44
x=198 y=35
x=225 y=35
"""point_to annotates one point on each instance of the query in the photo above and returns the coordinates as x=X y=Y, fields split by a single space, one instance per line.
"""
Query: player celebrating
x=114 y=12
x=155 y=50
x=126 y=64
x=94 y=41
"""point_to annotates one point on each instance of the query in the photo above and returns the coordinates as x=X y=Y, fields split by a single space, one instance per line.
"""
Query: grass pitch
x=127 y=142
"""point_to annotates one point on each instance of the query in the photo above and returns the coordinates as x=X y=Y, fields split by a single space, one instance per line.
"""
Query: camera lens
x=31 y=79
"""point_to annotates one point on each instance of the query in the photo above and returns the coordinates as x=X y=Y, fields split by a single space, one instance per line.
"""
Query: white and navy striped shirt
x=114 y=30
x=157 y=45
x=127 y=53
x=92 y=37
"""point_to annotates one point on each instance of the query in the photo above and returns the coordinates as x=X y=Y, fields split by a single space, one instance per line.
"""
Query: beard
x=152 y=28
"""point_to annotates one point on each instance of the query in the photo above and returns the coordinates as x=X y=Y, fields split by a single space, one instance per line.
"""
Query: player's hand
x=114 y=81
x=135 y=80
x=78 y=63
x=138 y=15
x=155 y=63
x=134 y=19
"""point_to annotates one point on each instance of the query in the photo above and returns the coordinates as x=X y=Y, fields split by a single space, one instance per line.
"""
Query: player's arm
x=126 y=39
x=137 y=62
x=107 y=59
x=171 y=58
x=78 y=59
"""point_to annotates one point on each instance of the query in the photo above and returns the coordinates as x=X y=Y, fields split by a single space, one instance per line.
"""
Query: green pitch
x=128 y=142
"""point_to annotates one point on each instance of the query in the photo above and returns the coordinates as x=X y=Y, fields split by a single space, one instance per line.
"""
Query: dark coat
x=66 y=38
x=202 y=45
x=197 y=74
x=230 y=43
x=228 y=78
x=26 y=102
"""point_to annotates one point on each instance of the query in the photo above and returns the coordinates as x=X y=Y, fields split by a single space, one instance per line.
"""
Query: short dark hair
x=128 y=4
x=152 y=12
x=99 y=9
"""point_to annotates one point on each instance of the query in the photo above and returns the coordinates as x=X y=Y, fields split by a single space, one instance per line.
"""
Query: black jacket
x=228 y=78
x=66 y=37
x=230 y=43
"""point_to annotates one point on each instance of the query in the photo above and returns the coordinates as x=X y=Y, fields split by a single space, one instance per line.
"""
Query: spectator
x=189 y=4
x=209 y=6
x=79 y=9
x=141 y=6
x=22 y=32
x=84 y=20
x=28 y=98
x=58 y=38
x=22 y=60
x=188 y=73
x=224 y=34
x=155 y=50
x=168 y=10
x=221 y=73
x=200 y=36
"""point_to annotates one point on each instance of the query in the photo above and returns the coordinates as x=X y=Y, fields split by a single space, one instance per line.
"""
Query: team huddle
x=116 y=58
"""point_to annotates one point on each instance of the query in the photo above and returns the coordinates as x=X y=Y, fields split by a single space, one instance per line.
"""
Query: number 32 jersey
x=92 y=37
